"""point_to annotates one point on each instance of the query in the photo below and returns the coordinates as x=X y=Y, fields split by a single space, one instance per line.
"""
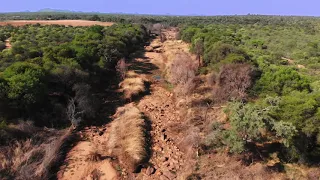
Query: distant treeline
x=168 y=20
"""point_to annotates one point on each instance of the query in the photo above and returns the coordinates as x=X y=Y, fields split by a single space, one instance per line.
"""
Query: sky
x=172 y=7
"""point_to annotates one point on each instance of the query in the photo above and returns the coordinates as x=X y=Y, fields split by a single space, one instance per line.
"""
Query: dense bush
x=48 y=74
x=252 y=123
x=281 y=81
x=285 y=57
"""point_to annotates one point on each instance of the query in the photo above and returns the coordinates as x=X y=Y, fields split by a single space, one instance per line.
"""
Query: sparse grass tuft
x=128 y=136
x=94 y=156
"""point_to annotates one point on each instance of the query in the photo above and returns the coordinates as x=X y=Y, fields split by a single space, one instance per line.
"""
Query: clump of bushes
x=281 y=81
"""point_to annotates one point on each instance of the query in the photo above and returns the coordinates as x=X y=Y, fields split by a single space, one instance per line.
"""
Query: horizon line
x=167 y=14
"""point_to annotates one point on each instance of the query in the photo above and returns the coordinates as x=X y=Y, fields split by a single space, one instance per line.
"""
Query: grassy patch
x=128 y=136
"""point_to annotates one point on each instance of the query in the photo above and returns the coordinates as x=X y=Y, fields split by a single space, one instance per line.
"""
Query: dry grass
x=56 y=22
x=128 y=136
x=33 y=158
x=131 y=74
x=53 y=154
x=132 y=86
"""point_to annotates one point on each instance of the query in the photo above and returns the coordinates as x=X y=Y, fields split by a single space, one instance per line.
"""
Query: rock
x=164 y=159
x=158 y=173
x=169 y=175
x=100 y=133
x=158 y=50
x=149 y=49
x=155 y=46
x=150 y=170
x=162 y=177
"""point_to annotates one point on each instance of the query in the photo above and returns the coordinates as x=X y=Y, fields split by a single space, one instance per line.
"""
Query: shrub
x=233 y=81
x=182 y=69
x=182 y=73
x=302 y=110
x=2 y=46
x=121 y=68
x=254 y=123
x=225 y=53
x=212 y=78
x=25 y=82
x=281 y=81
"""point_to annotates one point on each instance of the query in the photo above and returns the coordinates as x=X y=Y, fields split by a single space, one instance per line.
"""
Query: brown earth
x=178 y=125
x=79 y=165
x=57 y=22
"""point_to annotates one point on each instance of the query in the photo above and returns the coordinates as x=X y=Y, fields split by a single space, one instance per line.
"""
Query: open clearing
x=57 y=22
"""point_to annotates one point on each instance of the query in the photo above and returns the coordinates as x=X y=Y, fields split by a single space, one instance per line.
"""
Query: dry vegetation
x=182 y=73
x=128 y=139
x=56 y=22
x=233 y=81
x=35 y=157
x=132 y=85
x=195 y=96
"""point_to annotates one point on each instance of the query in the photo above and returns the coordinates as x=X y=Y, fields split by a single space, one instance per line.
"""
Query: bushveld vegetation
x=263 y=68
x=53 y=77
x=49 y=67
x=261 y=71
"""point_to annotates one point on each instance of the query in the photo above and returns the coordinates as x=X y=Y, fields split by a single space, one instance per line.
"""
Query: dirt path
x=160 y=109
x=79 y=163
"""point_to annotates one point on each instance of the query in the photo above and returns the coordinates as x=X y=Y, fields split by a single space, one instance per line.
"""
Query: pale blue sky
x=173 y=7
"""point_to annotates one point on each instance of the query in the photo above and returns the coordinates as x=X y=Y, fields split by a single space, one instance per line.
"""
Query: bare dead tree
x=163 y=37
x=121 y=68
x=233 y=81
x=183 y=74
x=73 y=114
x=157 y=28
x=182 y=69
x=81 y=105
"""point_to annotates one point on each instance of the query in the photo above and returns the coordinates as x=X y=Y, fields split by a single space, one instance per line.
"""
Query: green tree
x=25 y=82
x=281 y=81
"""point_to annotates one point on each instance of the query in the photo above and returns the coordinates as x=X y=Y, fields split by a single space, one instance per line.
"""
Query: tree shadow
x=143 y=67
